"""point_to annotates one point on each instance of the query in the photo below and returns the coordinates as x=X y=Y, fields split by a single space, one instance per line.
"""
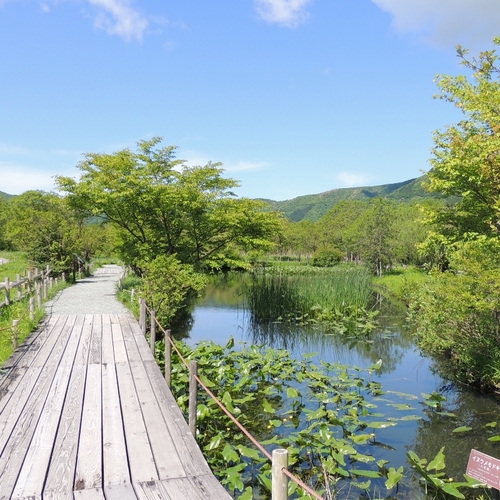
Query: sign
x=484 y=468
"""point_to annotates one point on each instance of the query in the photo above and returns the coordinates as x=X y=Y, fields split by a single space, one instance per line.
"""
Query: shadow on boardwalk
x=85 y=412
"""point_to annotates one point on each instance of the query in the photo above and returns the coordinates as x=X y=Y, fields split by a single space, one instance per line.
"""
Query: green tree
x=162 y=206
x=466 y=156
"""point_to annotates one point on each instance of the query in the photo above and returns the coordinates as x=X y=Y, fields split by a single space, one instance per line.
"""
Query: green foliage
x=327 y=257
x=163 y=207
x=336 y=297
x=313 y=207
x=167 y=284
x=44 y=227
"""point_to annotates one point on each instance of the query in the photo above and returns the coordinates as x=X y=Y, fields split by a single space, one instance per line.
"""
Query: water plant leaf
x=376 y=366
x=438 y=461
x=247 y=494
x=249 y=452
x=393 y=477
x=292 y=393
x=381 y=425
x=361 y=438
x=494 y=438
x=411 y=417
x=230 y=455
x=215 y=442
x=451 y=490
x=462 y=429
x=230 y=343
x=401 y=406
x=365 y=473
x=267 y=407
x=491 y=424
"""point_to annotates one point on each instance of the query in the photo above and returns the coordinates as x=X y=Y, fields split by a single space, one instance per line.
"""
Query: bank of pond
x=338 y=382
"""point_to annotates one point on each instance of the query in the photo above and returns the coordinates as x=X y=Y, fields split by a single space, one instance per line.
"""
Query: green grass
x=20 y=311
x=401 y=282
x=18 y=264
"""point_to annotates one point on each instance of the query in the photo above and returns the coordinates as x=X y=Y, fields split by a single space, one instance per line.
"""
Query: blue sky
x=293 y=96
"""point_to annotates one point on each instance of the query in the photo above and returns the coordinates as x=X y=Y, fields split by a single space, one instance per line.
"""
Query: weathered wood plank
x=33 y=472
x=142 y=465
x=116 y=470
x=142 y=344
x=82 y=355
x=120 y=492
x=165 y=453
x=54 y=344
x=96 y=340
x=62 y=466
x=108 y=355
x=89 y=494
x=17 y=445
x=89 y=463
x=11 y=383
x=189 y=452
x=130 y=343
x=119 y=344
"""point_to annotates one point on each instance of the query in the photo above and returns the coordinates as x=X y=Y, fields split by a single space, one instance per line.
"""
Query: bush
x=327 y=257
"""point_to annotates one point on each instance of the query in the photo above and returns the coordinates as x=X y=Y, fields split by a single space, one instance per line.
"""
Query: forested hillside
x=312 y=207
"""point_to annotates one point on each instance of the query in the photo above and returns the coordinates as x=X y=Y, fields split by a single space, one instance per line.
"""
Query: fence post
x=7 y=291
x=15 y=333
x=279 y=485
x=63 y=277
x=19 y=292
x=153 y=332
x=45 y=289
x=142 y=315
x=168 y=358
x=39 y=295
x=193 y=396
x=32 y=308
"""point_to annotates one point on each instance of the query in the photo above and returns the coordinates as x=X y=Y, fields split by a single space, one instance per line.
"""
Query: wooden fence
x=21 y=287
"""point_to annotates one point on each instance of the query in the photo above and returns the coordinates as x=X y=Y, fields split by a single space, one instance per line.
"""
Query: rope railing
x=279 y=466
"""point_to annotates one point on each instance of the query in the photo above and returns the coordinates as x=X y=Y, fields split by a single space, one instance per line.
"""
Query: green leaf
x=215 y=442
x=292 y=393
x=438 y=462
x=247 y=494
x=451 y=490
x=230 y=343
x=393 y=477
x=249 y=452
x=462 y=429
x=376 y=366
x=267 y=407
x=365 y=473
x=380 y=425
x=494 y=439
x=230 y=455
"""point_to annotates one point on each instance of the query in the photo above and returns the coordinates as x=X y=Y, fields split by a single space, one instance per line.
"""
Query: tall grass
x=337 y=296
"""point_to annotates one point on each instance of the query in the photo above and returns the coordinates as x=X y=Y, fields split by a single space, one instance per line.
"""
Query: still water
x=221 y=314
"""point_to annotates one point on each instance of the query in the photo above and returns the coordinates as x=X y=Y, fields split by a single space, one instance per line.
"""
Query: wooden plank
x=153 y=490
x=96 y=341
x=129 y=340
x=108 y=355
x=89 y=463
x=32 y=475
x=120 y=492
x=168 y=463
x=89 y=494
x=119 y=344
x=188 y=450
x=116 y=470
x=62 y=466
x=82 y=354
x=141 y=341
x=10 y=385
x=210 y=487
x=17 y=445
x=142 y=466
x=12 y=410
x=58 y=495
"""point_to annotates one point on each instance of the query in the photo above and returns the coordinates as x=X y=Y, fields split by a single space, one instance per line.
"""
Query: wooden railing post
x=15 y=333
x=45 y=289
x=279 y=480
x=39 y=295
x=7 y=291
x=19 y=291
x=153 y=332
x=168 y=358
x=193 y=396
x=32 y=308
x=142 y=315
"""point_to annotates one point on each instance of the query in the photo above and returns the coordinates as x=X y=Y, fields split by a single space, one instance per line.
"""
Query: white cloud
x=446 y=22
x=289 y=13
x=245 y=165
x=117 y=17
x=16 y=179
x=350 y=179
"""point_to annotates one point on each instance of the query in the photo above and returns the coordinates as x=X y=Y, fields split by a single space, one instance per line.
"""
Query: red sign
x=484 y=468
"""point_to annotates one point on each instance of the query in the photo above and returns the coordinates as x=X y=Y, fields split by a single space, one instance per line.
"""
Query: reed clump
x=337 y=297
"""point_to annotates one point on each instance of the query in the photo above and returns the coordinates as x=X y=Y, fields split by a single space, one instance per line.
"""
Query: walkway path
x=85 y=411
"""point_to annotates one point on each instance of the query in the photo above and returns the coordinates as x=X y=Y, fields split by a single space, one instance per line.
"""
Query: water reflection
x=221 y=314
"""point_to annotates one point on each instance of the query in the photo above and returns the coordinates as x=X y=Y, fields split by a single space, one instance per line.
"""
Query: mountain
x=5 y=195
x=314 y=206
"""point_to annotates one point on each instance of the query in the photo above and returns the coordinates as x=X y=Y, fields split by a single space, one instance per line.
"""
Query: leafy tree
x=163 y=206
x=466 y=159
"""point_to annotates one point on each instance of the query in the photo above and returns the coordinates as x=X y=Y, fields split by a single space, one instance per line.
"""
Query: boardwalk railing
x=278 y=458
x=21 y=287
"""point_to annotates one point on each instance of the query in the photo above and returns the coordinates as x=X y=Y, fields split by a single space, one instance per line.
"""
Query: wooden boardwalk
x=85 y=414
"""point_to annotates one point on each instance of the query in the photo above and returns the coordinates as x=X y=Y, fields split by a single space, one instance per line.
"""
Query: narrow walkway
x=85 y=411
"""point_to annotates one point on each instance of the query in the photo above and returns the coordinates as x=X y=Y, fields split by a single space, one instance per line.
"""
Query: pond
x=405 y=374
